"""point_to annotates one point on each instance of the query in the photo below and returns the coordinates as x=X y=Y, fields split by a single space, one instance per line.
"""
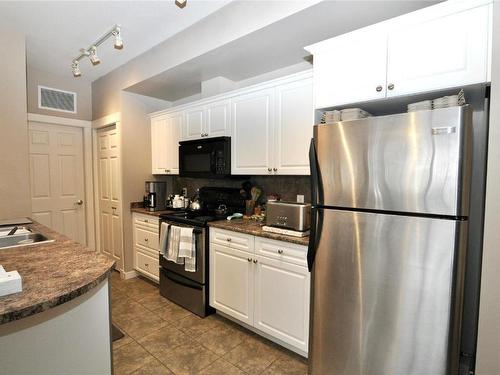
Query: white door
x=231 y=282
x=252 y=140
x=57 y=178
x=109 y=176
x=294 y=127
x=193 y=127
x=174 y=136
x=159 y=150
x=282 y=301
x=445 y=52
x=351 y=68
x=217 y=118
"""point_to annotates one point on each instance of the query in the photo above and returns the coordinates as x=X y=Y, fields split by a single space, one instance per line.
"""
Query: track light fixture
x=91 y=52
x=76 y=69
x=181 y=3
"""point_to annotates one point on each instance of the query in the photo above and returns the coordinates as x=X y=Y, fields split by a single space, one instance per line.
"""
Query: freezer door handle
x=313 y=165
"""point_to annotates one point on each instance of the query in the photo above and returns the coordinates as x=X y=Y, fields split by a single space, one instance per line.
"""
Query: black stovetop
x=193 y=217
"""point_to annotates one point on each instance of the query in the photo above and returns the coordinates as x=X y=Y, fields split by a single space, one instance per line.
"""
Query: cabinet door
x=293 y=127
x=159 y=139
x=217 y=119
x=351 y=68
x=175 y=128
x=444 y=52
x=252 y=120
x=282 y=301
x=231 y=282
x=193 y=127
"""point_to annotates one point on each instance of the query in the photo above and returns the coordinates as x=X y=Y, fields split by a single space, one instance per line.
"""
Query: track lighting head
x=118 y=38
x=181 y=3
x=94 y=59
x=76 y=69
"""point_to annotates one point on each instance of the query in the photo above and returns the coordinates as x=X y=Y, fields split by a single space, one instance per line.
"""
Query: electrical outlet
x=185 y=191
x=300 y=198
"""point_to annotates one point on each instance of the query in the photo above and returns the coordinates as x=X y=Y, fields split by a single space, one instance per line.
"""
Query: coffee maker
x=156 y=195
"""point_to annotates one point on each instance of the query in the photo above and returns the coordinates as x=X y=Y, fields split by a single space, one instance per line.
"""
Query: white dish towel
x=174 y=236
x=187 y=249
x=164 y=238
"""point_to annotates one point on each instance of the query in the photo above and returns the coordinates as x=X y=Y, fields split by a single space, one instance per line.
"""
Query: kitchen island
x=60 y=322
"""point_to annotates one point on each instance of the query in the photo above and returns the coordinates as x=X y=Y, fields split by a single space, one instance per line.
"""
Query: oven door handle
x=176 y=279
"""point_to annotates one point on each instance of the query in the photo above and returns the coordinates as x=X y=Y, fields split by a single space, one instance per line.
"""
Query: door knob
x=379 y=88
x=79 y=202
x=391 y=86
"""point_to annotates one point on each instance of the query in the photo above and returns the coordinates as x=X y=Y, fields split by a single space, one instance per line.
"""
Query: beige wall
x=488 y=350
x=82 y=88
x=15 y=198
x=136 y=159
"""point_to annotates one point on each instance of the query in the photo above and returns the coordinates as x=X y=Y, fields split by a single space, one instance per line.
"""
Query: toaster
x=289 y=215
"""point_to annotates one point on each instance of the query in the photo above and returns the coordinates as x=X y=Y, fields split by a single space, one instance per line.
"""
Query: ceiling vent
x=56 y=100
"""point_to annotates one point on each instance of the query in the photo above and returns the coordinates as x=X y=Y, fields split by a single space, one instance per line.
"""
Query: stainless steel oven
x=188 y=289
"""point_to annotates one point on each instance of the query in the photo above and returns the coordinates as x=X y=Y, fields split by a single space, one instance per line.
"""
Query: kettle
x=196 y=204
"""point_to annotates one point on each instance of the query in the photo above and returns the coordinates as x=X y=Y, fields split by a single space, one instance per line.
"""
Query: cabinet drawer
x=234 y=240
x=147 y=221
x=147 y=265
x=146 y=238
x=285 y=251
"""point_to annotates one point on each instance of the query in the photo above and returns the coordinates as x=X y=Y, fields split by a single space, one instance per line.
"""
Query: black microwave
x=208 y=158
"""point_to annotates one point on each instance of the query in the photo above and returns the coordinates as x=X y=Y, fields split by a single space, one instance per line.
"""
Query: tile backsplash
x=286 y=186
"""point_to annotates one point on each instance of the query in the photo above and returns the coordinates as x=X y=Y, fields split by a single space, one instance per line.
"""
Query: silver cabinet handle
x=249 y=259
x=379 y=88
x=280 y=251
x=206 y=134
x=228 y=240
x=269 y=169
x=146 y=264
x=391 y=86
x=79 y=202
x=255 y=260
x=113 y=208
x=146 y=239
x=275 y=169
x=146 y=220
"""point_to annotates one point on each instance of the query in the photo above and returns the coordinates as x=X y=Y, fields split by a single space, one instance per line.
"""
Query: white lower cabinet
x=231 y=282
x=268 y=293
x=146 y=245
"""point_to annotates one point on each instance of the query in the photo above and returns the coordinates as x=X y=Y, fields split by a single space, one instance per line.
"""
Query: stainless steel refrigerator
x=388 y=243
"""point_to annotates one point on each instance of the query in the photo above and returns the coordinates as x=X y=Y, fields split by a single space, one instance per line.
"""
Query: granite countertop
x=145 y=211
x=255 y=228
x=52 y=274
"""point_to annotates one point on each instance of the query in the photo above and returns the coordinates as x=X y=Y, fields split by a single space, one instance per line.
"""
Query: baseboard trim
x=264 y=334
x=129 y=274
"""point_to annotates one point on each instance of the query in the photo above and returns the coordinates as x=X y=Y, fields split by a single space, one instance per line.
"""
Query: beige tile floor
x=163 y=338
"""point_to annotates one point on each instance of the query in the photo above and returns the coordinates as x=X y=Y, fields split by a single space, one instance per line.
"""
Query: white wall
x=15 y=194
x=488 y=349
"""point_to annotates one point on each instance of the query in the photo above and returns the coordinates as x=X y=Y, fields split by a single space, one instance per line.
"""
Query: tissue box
x=10 y=282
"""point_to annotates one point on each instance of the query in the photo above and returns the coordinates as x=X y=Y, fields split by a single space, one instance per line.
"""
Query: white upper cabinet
x=252 y=120
x=293 y=127
x=350 y=68
x=165 y=134
x=209 y=120
x=217 y=118
x=193 y=127
x=438 y=47
x=443 y=52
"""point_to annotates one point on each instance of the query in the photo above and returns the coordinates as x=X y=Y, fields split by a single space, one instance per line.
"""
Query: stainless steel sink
x=23 y=240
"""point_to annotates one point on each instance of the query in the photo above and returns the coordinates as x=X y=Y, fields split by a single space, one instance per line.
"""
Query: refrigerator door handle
x=314 y=233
